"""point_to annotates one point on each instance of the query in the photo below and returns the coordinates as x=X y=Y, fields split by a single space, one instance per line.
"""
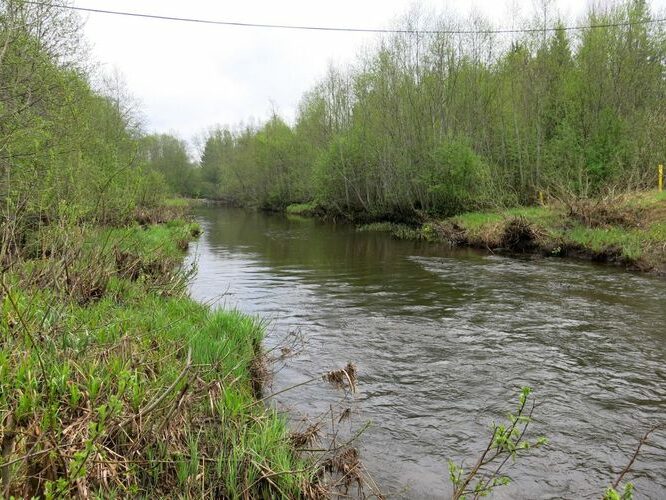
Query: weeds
x=397 y=231
x=114 y=383
x=173 y=210
x=604 y=212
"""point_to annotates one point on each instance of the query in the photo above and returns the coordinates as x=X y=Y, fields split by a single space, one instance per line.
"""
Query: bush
x=458 y=179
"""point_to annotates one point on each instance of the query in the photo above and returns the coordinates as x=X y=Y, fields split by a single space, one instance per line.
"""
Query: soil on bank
x=629 y=231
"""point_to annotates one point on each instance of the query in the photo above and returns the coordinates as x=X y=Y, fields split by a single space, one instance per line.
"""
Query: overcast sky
x=189 y=77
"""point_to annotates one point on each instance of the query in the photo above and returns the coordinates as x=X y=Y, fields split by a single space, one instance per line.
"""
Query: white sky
x=189 y=77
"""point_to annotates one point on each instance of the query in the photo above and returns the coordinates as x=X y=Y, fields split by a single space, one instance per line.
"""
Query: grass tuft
x=114 y=383
x=628 y=229
x=303 y=209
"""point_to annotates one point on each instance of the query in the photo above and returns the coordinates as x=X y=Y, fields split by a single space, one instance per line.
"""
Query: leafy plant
x=507 y=442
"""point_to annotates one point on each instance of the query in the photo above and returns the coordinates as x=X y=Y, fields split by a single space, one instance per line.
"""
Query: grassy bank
x=114 y=383
x=628 y=230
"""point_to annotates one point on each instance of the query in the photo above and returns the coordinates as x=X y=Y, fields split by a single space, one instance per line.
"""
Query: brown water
x=444 y=339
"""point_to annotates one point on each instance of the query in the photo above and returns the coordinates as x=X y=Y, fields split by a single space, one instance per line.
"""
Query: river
x=443 y=339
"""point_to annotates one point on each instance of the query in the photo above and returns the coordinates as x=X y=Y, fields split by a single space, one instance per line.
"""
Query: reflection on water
x=443 y=340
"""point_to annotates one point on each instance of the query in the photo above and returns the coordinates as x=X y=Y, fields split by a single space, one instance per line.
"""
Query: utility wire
x=340 y=29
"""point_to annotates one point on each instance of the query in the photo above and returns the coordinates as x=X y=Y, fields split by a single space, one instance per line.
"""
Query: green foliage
x=443 y=125
x=139 y=392
x=626 y=494
x=507 y=442
x=166 y=157
x=67 y=152
x=262 y=167
x=459 y=178
x=340 y=178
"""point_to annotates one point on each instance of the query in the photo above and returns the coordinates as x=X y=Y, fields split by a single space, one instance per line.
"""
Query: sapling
x=506 y=442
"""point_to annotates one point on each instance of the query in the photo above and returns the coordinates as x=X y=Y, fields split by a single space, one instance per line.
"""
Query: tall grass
x=114 y=383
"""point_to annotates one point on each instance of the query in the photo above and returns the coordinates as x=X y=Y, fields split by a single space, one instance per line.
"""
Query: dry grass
x=159 y=215
x=347 y=468
x=344 y=378
x=519 y=235
x=306 y=437
x=615 y=210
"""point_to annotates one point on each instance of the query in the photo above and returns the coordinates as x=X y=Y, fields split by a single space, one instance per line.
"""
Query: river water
x=443 y=339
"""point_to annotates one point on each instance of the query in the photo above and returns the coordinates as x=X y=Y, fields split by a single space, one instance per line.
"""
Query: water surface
x=444 y=339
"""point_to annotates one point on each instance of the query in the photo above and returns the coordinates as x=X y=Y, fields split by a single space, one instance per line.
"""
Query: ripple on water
x=443 y=342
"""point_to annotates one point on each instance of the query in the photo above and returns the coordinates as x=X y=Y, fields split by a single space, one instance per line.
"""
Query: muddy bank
x=517 y=236
x=627 y=231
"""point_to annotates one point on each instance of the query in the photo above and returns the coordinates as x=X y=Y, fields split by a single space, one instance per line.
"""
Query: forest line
x=445 y=123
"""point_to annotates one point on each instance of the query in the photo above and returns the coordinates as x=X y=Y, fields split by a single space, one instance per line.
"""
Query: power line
x=340 y=29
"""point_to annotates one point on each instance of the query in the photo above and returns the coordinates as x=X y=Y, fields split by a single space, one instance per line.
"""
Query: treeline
x=443 y=122
x=71 y=146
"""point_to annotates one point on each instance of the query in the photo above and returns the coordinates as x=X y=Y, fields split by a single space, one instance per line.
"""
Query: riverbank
x=629 y=231
x=113 y=382
x=412 y=314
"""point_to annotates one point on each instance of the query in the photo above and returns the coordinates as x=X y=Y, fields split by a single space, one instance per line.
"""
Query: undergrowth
x=114 y=383
x=397 y=231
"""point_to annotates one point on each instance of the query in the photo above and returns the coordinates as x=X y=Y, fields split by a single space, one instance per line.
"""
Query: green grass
x=639 y=240
x=630 y=243
x=177 y=202
x=137 y=391
x=302 y=208
x=650 y=198
x=398 y=231
x=477 y=220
